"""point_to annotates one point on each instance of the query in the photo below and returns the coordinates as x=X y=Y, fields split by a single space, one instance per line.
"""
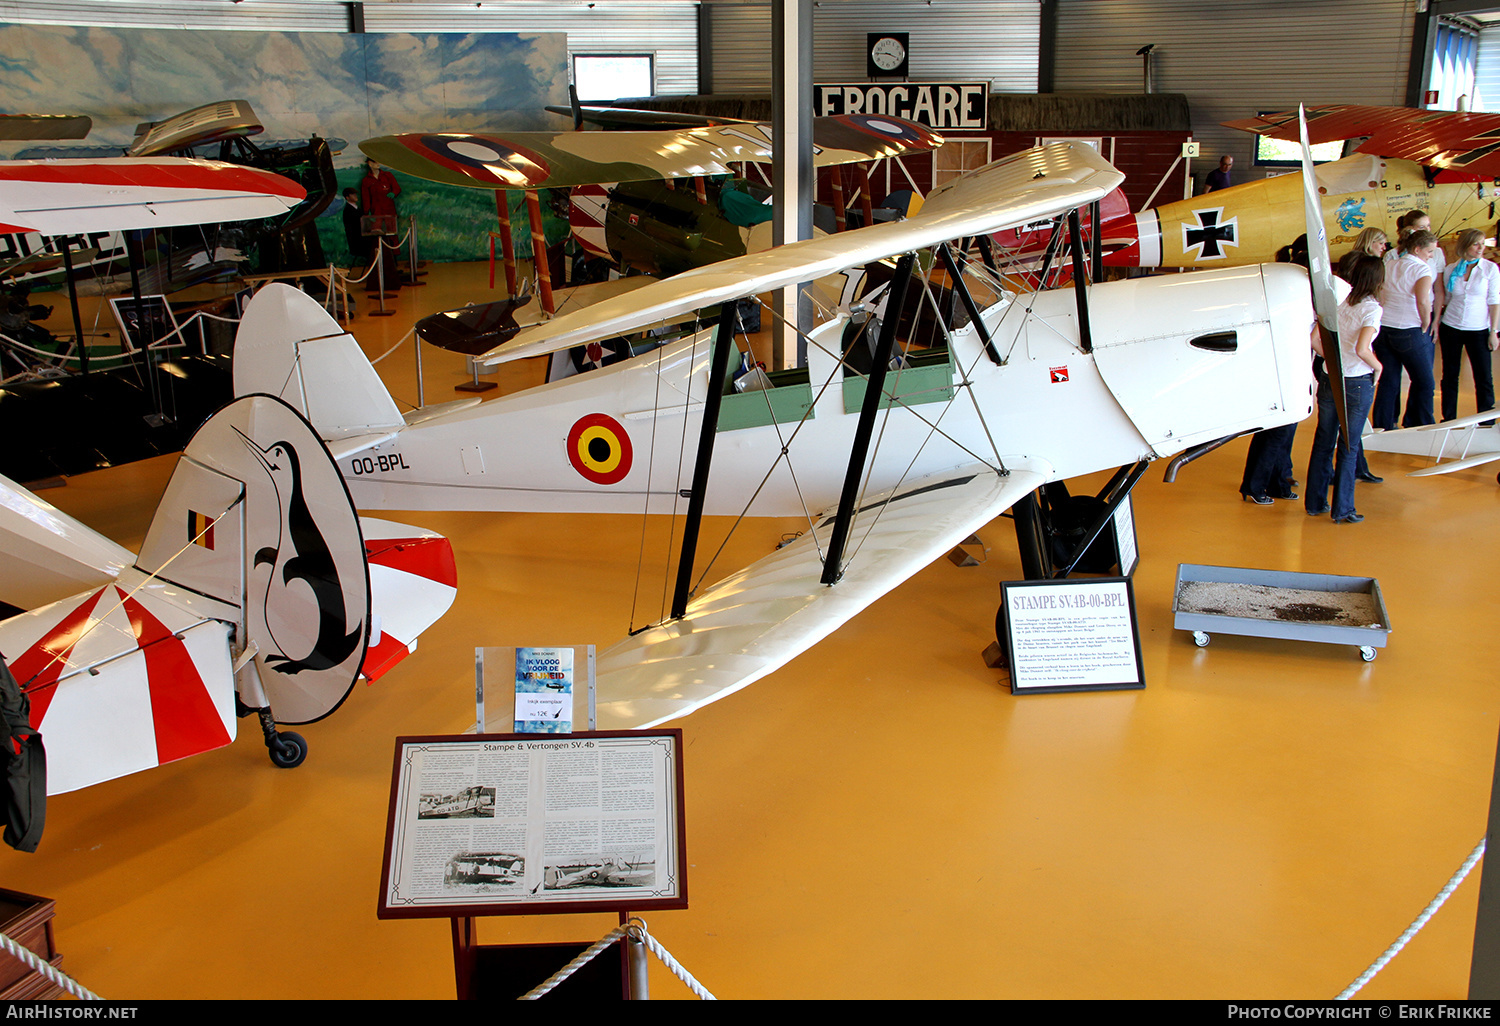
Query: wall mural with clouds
x=344 y=87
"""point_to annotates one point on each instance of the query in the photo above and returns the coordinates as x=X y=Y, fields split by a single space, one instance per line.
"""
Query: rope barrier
x=395 y=347
x=63 y=980
x=1417 y=924
x=635 y=930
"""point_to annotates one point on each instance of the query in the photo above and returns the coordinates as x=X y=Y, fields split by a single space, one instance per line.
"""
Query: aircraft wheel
x=1200 y=639
x=288 y=749
x=1367 y=653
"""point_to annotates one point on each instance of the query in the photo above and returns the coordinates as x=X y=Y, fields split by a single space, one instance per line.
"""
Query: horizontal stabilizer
x=755 y=621
x=1024 y=187
x=121 y=679
x=413 y=581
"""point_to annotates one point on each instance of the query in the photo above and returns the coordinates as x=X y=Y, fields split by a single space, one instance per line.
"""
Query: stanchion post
x=380 y=248
x=1484 y=969
x=416 y=344
x=637 y=965
x=411 y=249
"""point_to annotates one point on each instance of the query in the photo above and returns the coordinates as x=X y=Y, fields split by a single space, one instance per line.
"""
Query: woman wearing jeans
x=1359 y=320
x=1403 y=340
x=1469 y=322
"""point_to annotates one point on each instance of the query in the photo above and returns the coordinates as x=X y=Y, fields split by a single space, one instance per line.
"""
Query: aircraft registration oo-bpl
x=1442 y=162
x=892 y=467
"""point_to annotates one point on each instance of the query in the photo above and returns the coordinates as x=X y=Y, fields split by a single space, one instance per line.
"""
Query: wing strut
x=961 y=287
x=874 y=390
x=718 y=370
x=1080 y=283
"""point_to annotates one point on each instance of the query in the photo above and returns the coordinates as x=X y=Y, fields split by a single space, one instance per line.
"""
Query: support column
x=791 y=159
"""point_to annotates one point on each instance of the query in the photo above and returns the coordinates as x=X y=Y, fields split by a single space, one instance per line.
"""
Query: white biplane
x=893 y=452
x=1454 y=445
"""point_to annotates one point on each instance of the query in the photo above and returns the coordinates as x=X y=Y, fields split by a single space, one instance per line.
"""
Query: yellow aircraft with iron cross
x=1437 y=161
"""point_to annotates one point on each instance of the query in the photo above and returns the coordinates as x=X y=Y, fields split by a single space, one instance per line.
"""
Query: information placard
x=534 y=690
x=1072 y=635
x=518 y=824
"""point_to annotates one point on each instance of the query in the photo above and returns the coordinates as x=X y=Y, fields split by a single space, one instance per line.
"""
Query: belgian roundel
x=599 y=449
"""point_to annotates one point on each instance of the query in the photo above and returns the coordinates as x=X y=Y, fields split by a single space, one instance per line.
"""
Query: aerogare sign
x=940 y=105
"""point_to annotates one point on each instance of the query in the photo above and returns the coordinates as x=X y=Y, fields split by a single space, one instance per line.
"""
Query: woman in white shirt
x=1403 y=341
x=1470 y=321
x=1359 y=321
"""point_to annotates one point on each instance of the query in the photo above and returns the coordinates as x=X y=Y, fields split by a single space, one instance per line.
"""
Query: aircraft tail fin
x=288 y=346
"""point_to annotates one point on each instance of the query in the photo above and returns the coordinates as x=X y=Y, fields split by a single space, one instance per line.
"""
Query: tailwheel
x=288 y=749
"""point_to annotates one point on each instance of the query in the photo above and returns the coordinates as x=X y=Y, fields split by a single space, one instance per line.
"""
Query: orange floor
x=880 y=819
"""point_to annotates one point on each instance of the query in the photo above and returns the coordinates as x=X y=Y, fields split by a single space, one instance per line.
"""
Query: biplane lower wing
x=757 y=620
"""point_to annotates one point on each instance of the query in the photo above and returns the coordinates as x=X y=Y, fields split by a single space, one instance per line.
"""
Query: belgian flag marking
x=201 y=529
x=599 y=449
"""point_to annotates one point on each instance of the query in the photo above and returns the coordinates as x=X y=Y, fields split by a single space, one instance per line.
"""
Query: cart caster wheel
x=288 y=749
x=1367 y=653
x=1200 y=639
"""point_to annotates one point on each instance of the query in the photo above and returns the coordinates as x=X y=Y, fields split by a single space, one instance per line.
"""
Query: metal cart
x=1280 y=604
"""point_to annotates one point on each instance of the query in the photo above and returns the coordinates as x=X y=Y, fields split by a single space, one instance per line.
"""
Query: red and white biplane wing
x=66 y=197
x=1442 y=139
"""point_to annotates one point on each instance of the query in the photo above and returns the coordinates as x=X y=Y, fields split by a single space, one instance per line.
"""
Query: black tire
x=288 y=749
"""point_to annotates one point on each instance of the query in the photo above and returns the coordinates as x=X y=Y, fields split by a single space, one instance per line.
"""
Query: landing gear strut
x=1058 y=533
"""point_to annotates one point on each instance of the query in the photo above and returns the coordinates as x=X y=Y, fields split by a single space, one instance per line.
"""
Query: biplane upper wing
x=1440 y=139
x=1023 y=187
x=755 y=621
x=66 y=197
x=548 y=160
x=224 y=119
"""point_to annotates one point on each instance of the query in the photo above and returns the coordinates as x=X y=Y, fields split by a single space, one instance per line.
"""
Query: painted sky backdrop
x=338 y=85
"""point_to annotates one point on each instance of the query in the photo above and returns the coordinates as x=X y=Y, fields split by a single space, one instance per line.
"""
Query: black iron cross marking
x=1209 y=233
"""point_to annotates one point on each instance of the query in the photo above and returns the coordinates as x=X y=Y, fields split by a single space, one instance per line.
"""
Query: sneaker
x=1317 y=512
x=1259 y=500
x=1349 y=518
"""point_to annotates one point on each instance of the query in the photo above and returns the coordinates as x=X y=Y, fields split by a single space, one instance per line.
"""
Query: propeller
x=1320 y=271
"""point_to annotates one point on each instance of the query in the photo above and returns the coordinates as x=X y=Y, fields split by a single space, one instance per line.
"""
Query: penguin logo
x=599 y=449
x=300 y=562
